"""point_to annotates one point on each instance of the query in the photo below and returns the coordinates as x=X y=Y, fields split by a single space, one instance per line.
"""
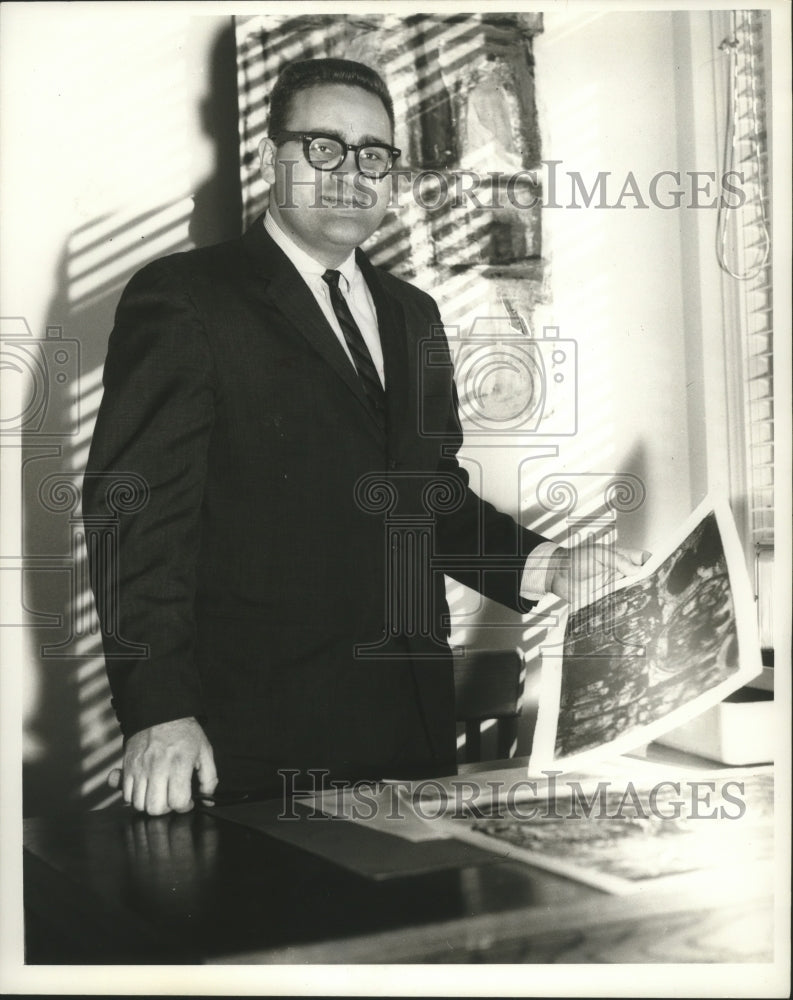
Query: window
x=743 y=247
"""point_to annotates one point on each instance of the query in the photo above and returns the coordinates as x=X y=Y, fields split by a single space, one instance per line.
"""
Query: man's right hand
x=156 y=774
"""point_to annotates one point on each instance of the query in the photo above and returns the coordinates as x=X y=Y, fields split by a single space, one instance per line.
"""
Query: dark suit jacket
x=286 y=572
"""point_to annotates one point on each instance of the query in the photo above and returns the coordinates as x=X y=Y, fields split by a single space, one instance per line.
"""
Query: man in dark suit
x=274 y=395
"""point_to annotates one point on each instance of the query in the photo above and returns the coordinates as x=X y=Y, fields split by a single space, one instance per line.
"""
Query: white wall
x=606 y=93
x=119 y=144
x=605 y=86
x=101 y=115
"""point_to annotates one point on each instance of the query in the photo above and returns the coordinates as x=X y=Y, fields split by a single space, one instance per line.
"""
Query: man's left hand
x=590 y=568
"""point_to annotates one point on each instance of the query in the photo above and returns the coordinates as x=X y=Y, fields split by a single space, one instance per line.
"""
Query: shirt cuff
x=538 y=571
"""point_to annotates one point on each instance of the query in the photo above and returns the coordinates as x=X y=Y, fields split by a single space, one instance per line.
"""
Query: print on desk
x=660 y=649
x=650 y=834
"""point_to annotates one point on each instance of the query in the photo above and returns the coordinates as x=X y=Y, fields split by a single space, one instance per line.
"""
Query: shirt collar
x=308 y=268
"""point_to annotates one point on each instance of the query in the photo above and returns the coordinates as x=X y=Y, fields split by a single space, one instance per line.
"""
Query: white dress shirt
x=352 y=286
x=536 y=574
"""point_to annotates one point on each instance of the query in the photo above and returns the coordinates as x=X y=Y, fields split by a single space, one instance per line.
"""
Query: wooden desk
x=113 y=887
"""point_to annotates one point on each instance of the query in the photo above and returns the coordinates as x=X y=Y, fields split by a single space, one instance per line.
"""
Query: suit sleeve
x=153 y=428
x=486 y=549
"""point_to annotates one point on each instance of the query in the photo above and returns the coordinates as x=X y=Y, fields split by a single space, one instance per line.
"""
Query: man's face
x=321 y=210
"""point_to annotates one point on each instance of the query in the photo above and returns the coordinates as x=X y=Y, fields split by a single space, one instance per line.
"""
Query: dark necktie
x=361 y=357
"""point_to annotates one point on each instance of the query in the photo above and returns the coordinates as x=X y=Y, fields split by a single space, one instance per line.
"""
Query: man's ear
x=267 y=160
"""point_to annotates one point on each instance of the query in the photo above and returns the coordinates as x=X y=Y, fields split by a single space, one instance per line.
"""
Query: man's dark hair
x=317 y=72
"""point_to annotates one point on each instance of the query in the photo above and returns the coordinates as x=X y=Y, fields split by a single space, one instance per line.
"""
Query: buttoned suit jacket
x=282 y=577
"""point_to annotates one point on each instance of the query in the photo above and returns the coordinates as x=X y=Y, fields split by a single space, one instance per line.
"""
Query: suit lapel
x=286 y=291
x=393 y=339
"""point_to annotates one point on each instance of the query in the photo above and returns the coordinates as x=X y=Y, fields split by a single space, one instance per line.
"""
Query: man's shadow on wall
x=69 y=724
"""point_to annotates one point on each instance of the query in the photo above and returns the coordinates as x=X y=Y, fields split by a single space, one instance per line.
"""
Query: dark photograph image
x=675 y=638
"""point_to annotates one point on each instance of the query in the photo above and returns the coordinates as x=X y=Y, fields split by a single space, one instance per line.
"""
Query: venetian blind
x=744 y=253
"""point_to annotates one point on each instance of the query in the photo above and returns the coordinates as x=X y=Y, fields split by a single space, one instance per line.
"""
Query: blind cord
x=730 y=46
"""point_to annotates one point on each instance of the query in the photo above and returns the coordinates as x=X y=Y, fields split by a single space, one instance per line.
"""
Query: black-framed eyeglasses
x=328 y=152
